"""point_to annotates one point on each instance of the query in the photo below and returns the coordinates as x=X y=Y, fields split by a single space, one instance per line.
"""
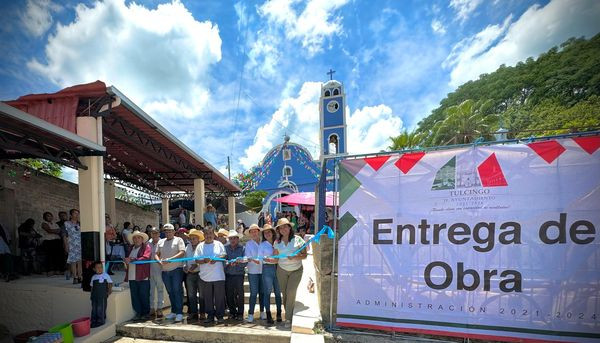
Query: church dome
x=332 y=84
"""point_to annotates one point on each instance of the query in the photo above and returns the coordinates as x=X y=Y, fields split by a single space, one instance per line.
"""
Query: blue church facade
x=290 y=168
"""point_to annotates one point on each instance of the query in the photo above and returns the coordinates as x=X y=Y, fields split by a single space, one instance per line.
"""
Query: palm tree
x=465 y=123
x=406 y=140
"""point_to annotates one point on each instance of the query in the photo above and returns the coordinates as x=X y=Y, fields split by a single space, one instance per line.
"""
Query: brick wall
x=22 y=198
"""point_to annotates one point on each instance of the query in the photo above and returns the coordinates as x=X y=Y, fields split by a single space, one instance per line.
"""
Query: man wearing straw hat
x=170 y=248
x=193 y=283
x=212 y=274
x=234 y=276
x=138 y=275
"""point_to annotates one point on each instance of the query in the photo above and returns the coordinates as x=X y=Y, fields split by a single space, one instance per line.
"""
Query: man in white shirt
x=212 y=274
x=168 y=249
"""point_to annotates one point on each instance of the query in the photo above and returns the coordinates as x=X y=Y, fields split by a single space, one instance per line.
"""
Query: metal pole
x=228 y=167
x=335 y=215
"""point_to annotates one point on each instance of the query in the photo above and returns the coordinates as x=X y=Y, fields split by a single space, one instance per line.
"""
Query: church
x=290 y=168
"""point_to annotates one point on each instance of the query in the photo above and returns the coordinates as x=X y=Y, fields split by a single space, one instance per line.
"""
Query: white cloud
x=464 y=8
x=370 y=127
x=536 y=31
x=311 y=26
x=297 y=116
x=438 y=27
x=285 y=24
x=37 y=18
x=160 y=58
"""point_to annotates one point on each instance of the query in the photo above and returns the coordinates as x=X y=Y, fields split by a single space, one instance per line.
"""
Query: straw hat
x=233 y=233
x=137 y=233
x=251 y=227
x=197 y=233
x=223 y=233
x=267 y=227
x=283 y=221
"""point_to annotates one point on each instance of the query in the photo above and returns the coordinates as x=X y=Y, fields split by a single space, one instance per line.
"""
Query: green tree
x=406 y=140
x=465 y=123
x=45 y=166
x=254 y=200
x=539 y=96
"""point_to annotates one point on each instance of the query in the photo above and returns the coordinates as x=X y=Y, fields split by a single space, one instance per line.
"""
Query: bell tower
x=332 y=110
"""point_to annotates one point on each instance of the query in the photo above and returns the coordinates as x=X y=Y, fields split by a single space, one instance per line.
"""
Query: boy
x=101 y=288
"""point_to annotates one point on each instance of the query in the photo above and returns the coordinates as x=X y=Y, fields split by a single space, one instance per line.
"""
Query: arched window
x=327 y=93
x=287 y=171
x=333 y=144
x=336 y=91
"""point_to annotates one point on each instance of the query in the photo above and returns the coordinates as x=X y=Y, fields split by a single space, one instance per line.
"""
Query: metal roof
x=23 y=135
x=139 y=150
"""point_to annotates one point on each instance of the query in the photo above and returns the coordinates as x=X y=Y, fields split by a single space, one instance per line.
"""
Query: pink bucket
x=81 y=326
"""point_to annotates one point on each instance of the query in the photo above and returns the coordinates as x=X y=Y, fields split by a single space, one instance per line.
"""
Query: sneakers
x=179 y=318
x=250 y=319
x=263 y=315
x=170 y=316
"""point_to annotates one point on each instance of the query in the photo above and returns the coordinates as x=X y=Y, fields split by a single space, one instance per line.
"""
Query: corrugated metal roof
x=139 y=149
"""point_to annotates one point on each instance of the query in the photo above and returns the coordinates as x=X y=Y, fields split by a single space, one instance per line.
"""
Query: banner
x=492 y=242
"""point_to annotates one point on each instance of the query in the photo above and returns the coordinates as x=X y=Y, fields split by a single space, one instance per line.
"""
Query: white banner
x=491 y=242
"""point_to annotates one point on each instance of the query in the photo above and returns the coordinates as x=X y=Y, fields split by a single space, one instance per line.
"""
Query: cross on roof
x=330 y=73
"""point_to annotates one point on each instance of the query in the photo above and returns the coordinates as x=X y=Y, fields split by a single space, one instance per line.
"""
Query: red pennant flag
x=407 y=161
x=490 y=172
x=549 y=150
x=590 y=144
x=377 y=162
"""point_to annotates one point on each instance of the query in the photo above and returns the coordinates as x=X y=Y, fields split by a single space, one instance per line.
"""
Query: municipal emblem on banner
x=465 y=174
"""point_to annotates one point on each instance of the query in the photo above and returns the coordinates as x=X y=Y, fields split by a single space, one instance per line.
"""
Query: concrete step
x=230 y=332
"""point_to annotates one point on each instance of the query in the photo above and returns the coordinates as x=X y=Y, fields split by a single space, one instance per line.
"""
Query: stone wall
x=322 y=255
x=23 y=197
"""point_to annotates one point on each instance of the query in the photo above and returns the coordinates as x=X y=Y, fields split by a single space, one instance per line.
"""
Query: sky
x=233 y=78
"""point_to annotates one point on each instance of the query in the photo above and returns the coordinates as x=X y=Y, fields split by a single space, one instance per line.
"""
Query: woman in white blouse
x=289 y=270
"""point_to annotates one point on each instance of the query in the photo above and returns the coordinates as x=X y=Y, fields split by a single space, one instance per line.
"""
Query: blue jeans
x=174 y=284
x=256 y=287
x=140 y=296
x=270 y=283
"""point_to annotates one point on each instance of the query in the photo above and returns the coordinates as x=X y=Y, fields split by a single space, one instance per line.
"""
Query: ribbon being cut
x=316 y=238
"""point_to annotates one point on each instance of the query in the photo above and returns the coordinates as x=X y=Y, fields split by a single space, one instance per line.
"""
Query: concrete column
x=91 y=193
x=110 y=202
x=231 y=212
x=199 y=201
x=165 y=211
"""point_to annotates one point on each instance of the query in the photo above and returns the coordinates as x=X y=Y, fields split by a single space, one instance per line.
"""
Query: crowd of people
x=51 y=247
x=213 y=271
x=214 y=288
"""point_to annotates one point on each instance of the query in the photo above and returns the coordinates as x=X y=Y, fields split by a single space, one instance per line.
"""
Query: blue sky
x=231 y=78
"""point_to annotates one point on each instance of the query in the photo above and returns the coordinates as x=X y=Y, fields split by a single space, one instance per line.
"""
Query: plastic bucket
x=81 y=326
x=65 y=330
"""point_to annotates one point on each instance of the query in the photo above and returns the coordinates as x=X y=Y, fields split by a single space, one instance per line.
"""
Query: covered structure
x=108 y=138
x=138 y=152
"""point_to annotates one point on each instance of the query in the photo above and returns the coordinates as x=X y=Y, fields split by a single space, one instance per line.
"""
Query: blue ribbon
x=316 y=238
